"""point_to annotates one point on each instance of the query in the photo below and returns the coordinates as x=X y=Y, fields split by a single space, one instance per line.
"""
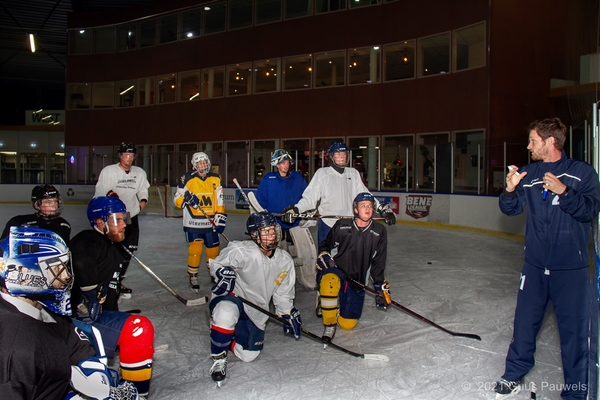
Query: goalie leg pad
x=137 y=349
x=329 y=288
x=347 y=323
x=194 y=254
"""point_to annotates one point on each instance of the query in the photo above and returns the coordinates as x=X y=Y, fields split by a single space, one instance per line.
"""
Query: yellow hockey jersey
x=210 y=195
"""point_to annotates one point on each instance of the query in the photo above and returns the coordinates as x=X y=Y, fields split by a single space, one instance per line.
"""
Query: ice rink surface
x=463 y=281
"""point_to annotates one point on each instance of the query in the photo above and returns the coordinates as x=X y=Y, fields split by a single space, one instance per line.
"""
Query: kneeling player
x=361 y=246
x=258 y=270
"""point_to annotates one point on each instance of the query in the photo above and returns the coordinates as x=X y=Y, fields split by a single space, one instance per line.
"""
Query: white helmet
x=200 y=156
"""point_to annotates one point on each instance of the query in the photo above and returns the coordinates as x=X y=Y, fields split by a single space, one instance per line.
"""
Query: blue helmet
x=104 y=206
x=364 y=196
x=36 y=264
x=258 y=221
x=338 y=147
x=279 y=156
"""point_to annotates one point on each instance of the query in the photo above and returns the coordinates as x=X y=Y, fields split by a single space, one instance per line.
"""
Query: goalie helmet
x=259 y=221
x=36 y=264
x=103 y=207
x=280 y=156
x=126 y=147
x=338 y=147
x=201 y=156
x=43 y=192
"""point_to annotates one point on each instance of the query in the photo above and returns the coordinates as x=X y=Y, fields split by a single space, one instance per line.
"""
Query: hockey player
x=361 y=247
x=42 y=350
x=200 y=195
x=258 y=271
x=129 y=183
x=332 y=190
x=97 y=262
x=48 y=206
x=280 y=188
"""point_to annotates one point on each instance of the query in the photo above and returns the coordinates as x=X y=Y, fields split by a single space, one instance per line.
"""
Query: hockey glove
x=91 y=378
x=324 y=261
x=385 y=210
x=191 y=199
x=94 y=299
x=289 y=214
x=383 y=298
x=225 y=278
x=295 y=323
x=220 y=220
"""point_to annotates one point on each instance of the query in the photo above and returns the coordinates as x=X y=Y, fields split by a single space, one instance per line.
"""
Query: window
x=468 y=167
x=145 y=91
x=262 y=151
x=103 y=95
x=330 y=68
x=323 y=6
x=364 y=158
x=363 y=65
x=190 y=24
x=166 y=86
x=434 y=55
x=148 y=32
x=298 y=8
x=239 y=79
x=426 y=158
x=237 y=163
x=469 y=47
x=213 y=18
x=363 y=3
x=213 y=82
x=126 y=37
x=320 y=152
x=267 y=77
x=125 y=93
x=299 y=149
x=240 y=13
x=214 y=151
x=167 y=28
x=79 y=96
x=297 y=72
x=189 y=86
x=397 y=158
x=80 y=41
x=268 y=11
x=185 y=151
x=104 y=40
x=399 y=61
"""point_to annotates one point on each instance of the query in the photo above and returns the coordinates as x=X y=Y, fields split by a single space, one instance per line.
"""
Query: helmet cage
x=280 y=156
x=256 y=225
x=201 y=156
x=46 y=192
x=338 y=147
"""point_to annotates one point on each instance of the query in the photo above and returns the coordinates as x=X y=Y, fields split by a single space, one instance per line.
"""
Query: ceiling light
x=126 y=90
x=194 y=96
x=32 y=42
x=190 y=34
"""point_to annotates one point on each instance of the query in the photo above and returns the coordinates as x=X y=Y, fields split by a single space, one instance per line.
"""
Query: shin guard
x=347 y=323
x=137 y=349
x=329 y=288
x=194 y=254
x=211 y=252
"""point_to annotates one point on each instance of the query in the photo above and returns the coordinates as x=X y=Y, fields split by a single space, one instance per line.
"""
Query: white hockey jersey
x=132 y=186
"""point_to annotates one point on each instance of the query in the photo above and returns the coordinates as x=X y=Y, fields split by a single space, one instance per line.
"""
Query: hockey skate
x=328 y=334
x=125 y=292
x=194 y=286
x=507 y=389
x=218 y=371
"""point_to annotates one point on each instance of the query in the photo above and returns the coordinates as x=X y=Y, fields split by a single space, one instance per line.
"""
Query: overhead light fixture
x=38 y=111
x=126 y=90
x=32 y=42
x=405 y=57
x=194 y=96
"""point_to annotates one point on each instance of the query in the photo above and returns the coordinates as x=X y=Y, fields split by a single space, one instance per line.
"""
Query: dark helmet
x=364 y=196
x=126 y=147
x=337 y=147
x=103 y=207
x=280 y=156
x=42 y=192
x=258 y=221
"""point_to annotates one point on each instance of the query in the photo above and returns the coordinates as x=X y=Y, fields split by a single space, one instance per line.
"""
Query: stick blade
x=376 y=357
x=467 y=335
x=196 y=302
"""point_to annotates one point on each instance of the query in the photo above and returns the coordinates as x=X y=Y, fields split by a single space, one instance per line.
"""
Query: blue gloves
x=325 y=261
x=383 y=298
x=191 y=199
x=225 y=278
x=221 y=221
x=385 y=210
x=288 y=214
x=94 y=299
x=295 y=323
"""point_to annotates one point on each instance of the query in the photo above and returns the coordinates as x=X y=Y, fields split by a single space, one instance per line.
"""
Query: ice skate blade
x=508 y=395
x=195 y=290
x=220 y=383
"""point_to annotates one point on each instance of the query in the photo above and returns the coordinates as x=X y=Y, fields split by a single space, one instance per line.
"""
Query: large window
x=363 y=65
x=167 y=28
x=213 y=82
x=469 y=47
x=145 y=91
x=240 y=13
x=80 y=41
x=323 y=6
x=299 y=149
x=399 y=61
x=214 y=17
x=189 y=83
x=297 y=72
x=190 y=23
x=267 y=77
x=262 y=150
x=125 y=93
x=104 y=40
x=330 y=68
x=434 y=55
x=126 y=37
x=239 y=79
x=365 y=159
x=267 y=11
x=429 y=153
x=103 y=95
x=297 y=8
x=468 y=161
x=237 y=163
x=166 y=87
x=78 y=96
x=398 y=162
x=214 y=151
x=148 y=32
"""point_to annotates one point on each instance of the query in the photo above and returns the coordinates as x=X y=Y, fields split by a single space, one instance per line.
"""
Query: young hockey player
x=361 y=249
x=97 y=262
x=48 y=206
x=200 y=194
x=43 y=354
x=129 y=183
x=332 y=189
x=258 y=271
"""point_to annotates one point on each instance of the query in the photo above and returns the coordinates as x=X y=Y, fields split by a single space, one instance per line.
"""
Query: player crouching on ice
x=258 y=271
x=361 y=246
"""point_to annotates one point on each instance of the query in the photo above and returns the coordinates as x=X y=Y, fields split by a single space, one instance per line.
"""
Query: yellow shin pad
x=329 y=289
x=194 y=254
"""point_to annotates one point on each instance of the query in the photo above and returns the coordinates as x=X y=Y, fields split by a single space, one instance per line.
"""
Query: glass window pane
x=103 y=95
x=467 y=171
x=470 y=47
x=267 y=76
x=165 y=164
x=240 y=13
x=260 y=159
x=190 y=23
x=365 y=156
x=434 y=55
x=363 y=3
x=80 y=41
x=268 y=11
x=237 y=163
x=166 y=86
x=330 y=68
x=239 y=79
x=188 y=86
x=145 y=91
x=214 y=151
x=213 y=18
x=397 y=157
x=79 y=96
x=126 y=37
x=297 y=72
x=148 y=32
x=104 y=40
x=323 y=6
x=425 y=158
x=298 y=8
x=125 y=93
x=399 y=61
x=167 y=28
x=213 y=82
x=299 y=149
x=363 y=65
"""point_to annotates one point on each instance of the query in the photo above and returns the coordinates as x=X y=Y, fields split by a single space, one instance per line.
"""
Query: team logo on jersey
x=280 y=278
x=418 y=206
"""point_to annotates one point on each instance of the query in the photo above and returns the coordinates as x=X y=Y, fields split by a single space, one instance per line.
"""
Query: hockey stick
x=317 y=216
x=213 y=223
x=376 y=357
x=242 y=191
x=189 y=303
x=414 y=314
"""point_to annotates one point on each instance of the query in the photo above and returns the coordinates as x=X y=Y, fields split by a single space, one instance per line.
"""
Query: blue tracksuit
x=557 y=235
x=274 y=193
